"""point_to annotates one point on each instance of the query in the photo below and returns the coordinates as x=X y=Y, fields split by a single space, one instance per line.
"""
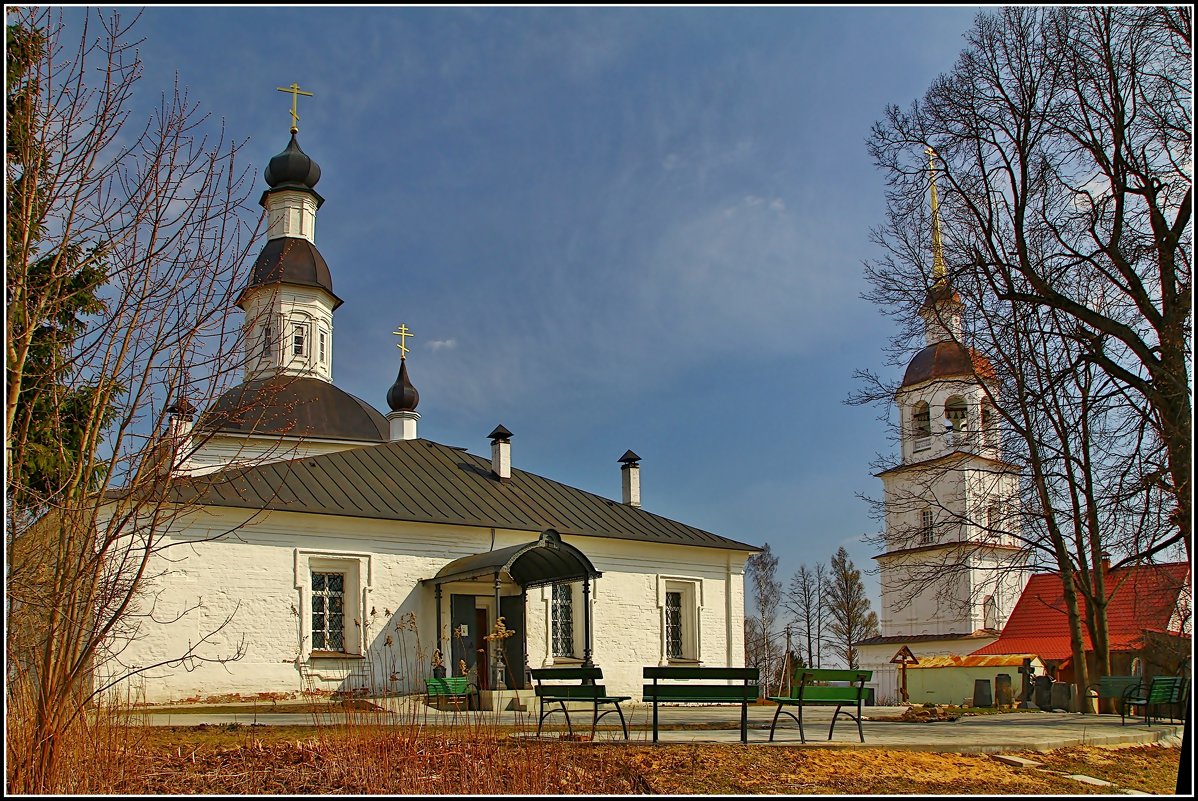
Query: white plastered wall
x=255 y=576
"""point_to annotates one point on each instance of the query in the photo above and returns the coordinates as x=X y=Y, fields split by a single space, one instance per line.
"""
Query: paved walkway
x=1022 y=731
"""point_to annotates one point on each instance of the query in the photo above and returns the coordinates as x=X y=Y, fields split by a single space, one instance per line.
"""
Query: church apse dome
x=290 y=406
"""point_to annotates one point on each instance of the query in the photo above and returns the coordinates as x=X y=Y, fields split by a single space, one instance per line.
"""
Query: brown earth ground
x=235 y=759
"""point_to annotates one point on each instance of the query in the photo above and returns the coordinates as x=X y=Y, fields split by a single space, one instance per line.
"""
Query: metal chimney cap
x=500 y=433
x=629 y=458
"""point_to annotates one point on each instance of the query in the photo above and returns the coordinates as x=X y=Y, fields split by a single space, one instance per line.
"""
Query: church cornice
x=958 y=455
x=960 y=545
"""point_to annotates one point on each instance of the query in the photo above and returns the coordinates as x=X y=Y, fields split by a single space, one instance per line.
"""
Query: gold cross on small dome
x=295 y=92
x=403 y=332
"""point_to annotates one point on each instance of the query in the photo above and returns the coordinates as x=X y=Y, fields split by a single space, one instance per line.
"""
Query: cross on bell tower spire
x=295 y=92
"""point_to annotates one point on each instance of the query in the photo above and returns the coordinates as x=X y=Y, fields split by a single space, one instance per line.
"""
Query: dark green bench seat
x=454 y=689
x=742 y=692
x=559 y=686
x=810 y=686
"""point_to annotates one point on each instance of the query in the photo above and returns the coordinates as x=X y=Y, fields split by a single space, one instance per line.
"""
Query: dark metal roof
x=426 y=482
x=290 y=260
x=946 y=359
x=287 y=405
x=894 y=639
x=547 y=560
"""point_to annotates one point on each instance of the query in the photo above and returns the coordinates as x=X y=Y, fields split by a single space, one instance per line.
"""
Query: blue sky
x=609 y=228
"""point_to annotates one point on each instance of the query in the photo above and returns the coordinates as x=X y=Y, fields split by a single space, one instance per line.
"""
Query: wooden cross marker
x=295 y=92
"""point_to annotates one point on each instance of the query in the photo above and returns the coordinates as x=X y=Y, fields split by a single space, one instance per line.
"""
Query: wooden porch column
x=586 y=623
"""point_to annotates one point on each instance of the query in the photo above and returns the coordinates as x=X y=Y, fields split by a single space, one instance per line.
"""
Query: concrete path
x=1022 y=731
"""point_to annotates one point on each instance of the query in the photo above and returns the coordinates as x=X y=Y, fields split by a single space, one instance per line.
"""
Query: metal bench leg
x=595 y=719
x=860 y=732
x=802 y=736
x=655 y=718
x=623 y=723
x=775 y=723
x=744 y=721
x=835 y=715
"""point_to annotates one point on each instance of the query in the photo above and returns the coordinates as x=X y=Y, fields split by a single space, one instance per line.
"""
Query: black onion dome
x=293 y=168
x=291 y=260
x=403 y=397
x=289 y=406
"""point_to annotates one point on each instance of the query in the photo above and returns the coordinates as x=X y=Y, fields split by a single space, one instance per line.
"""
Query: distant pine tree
x=851 y=619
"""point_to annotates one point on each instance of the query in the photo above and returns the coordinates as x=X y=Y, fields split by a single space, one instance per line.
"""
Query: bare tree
x=1065 y=140
x=849 y=615
x=805 y=601
x=1064 y=137
x=763 y=648
x=125 y=245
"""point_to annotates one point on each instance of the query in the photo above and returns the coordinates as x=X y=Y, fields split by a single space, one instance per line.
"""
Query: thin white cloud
x=441 y=344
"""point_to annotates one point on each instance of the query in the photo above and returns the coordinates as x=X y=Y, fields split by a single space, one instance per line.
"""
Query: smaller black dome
x=403 y=397
x=292 y=168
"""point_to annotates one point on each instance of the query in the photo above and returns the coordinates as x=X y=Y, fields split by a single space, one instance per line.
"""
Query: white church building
x=328 y=547
x=953 y=565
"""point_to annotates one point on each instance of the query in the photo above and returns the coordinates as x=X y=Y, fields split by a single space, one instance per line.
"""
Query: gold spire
x=295 y=92
x=403 y=333
x=938 y=270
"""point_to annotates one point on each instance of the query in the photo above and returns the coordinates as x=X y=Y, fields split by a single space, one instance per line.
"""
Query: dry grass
x=482 y=758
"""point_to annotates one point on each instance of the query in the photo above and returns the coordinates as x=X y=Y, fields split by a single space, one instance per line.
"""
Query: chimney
x=1106 y=563
x=630 y=479
x=501 y=453
x=179 y=421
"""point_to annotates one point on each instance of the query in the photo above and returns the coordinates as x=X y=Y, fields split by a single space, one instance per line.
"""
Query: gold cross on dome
x=295 y=92
x=403 y=332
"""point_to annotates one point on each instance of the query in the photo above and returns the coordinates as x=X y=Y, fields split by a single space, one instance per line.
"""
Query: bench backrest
x=550 y=682
x=1117 y=686
x=447 y=685
x=686 y=690
x=1165 y=689
x=811 y=684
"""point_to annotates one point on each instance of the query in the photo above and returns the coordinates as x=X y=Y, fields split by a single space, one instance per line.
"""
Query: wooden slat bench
x=742 y=692
x=454 y=689
x=1117 y=689
x=810 y=686
x=559 y=686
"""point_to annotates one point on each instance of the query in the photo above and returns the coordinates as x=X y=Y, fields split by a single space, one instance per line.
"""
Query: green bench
x=1117 y=689
x=811 y=686
x=1162 y=691
x=558 y=686
x=742 y=692
x=454 y=689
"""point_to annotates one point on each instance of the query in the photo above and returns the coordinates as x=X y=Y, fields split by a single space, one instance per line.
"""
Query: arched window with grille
x=921 y=426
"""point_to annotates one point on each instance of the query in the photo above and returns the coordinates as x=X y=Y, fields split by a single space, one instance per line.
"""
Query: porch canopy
x=547 y=560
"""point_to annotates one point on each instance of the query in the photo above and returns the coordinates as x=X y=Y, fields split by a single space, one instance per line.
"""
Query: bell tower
x=289 y=301
x=953 y=563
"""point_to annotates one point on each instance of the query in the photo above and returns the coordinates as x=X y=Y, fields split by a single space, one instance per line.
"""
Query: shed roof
x=426 y=482
x=1143 y=598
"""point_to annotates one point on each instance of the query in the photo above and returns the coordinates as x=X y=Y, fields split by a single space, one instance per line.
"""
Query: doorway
x=482 y=656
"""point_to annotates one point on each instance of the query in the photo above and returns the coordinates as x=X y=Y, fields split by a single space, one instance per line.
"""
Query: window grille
x=323 y=345
x=922 y=423
x=328 y=611
x=674 y=625
x=926 y=535
x=563 y=620
x=299 y=337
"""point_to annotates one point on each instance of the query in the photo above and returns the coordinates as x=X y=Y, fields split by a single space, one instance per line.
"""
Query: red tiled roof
x=1144 y=598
